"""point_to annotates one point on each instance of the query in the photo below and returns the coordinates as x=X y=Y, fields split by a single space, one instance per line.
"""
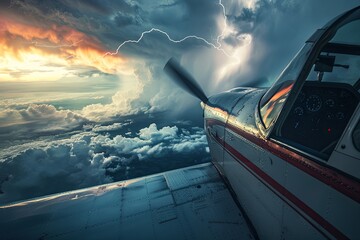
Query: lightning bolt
x=216 y=46
x=225 y=25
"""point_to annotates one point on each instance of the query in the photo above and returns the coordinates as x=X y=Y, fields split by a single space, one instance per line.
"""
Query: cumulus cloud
x=90 y=158
x=152 y=142
x=107 y=128
x=37 y=120
x=121 y=104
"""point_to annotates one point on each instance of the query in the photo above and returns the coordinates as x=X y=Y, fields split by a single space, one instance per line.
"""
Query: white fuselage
x=284 y=194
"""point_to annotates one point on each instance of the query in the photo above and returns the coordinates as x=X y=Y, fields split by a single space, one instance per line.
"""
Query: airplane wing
x=189 y=203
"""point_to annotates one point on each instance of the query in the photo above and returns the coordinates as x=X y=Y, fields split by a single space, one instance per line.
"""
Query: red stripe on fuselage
x=334 y=179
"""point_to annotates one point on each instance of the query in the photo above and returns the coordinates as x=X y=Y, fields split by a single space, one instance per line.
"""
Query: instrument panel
x=320 y=115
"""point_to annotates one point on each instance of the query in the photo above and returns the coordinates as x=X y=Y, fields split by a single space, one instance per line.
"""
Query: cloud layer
x=94 y=157
x=37 y=120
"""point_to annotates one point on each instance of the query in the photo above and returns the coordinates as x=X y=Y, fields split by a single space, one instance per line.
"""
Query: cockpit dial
x=313 y=103
x=330 y=102
x=319 y=116
x=299 y=111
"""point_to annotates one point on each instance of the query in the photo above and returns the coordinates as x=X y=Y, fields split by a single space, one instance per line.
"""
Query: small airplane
x=291 y=153
x=287 y=162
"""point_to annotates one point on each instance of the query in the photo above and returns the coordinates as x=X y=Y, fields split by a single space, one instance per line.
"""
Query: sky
x=83 y=97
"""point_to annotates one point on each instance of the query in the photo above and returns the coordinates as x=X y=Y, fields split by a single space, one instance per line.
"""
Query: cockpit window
x=274 y=99
x=339 y=60
x=328 y=98
x=348 y=34
x=275 y=103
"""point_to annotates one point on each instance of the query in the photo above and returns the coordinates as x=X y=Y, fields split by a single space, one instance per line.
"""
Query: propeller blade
x=184 y=79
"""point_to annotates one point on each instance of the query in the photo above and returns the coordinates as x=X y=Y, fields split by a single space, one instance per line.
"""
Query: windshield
x=274 y=99
x=327 y=100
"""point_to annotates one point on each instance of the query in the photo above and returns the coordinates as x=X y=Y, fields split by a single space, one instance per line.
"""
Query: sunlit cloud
x=38 y=53
x=121 y=104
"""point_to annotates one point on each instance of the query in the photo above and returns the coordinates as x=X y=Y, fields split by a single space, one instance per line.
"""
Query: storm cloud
x=257 y=38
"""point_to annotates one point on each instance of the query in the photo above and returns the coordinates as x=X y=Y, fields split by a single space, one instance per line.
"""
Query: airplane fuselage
x=284 y=194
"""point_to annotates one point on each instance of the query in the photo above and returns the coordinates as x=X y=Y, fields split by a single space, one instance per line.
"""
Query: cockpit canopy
x=320 y=89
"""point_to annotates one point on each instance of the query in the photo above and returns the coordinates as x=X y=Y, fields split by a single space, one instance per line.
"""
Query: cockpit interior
x=328 y=97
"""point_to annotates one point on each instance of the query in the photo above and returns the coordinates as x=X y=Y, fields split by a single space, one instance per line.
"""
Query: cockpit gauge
x=298 y=111
x=330 y=116
x=340 y=115
x=330 y=102
x=313 y=103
